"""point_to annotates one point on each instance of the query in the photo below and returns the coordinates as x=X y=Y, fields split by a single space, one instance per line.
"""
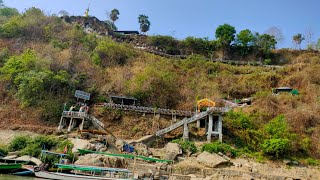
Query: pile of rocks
x=102 y=161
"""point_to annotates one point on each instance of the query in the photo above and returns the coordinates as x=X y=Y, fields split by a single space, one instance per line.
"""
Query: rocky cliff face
x=90 y=24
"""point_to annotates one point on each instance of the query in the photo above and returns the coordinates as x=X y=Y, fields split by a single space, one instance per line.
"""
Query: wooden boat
x=129 y=156
x=9 y=167
x=84 y=173
x=25 y=170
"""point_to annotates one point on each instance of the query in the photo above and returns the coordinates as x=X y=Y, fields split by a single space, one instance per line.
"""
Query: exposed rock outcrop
x=102 y=161
x=211 y=160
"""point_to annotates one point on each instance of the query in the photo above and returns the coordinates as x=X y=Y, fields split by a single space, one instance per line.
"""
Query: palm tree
x=114 y=15
x=144 y=23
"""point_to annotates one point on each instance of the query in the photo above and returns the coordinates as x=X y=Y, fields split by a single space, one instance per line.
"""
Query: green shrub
x=278 y=128
x=239 y=120
x=167 y=43
x=3 y=149
x=186 y=145
x=12 y=28
x=109 y=53
x=65 y=143
x=313 y=162
x=45 y=142
x=217 y=147
x=276 y=147
x=32 y=149
x=267 y=61
x=19 y=142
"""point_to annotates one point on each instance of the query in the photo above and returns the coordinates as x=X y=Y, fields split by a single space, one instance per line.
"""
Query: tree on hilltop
x=297 y=39
x=225 y=35
x=63 y=13
x=265 y=43
x=2 y=4
x=114 y=15
x=144 y=23
x=245 y=40
x=276 y=32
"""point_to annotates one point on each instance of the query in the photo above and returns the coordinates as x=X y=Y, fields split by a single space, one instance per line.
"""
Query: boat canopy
x=50 y=152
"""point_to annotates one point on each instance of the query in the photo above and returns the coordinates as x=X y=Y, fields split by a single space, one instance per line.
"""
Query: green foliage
x=47 y=142
x=198 y=46
x=19 y=143
x=297 y=39
x=3 y=149
x=12 y=28
x=265 y=44
x=167 y=43
x=155 y=87
x=57 y=43
x=276 y=147
x=32 y=79
x=114 y=15
x=144 y=23
x=35 y=145
x=108 y=53
x=245 y=40
x=278 y=128
x=65 y=143
x=9 y=12
x=267 y=61
x=244 y=129
x=313 y=162
x=187 y=146
x=32 y=149
x=225 y=35
x=217 y=147
x=239 y=120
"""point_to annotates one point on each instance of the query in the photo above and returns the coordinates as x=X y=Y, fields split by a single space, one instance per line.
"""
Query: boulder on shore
x=102 y=161
x=211 y=160
x=172 y=150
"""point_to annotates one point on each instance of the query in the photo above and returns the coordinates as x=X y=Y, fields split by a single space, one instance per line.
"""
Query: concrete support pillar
x=70 y=125
x=220 y=127
x=198 y=123
x=81 y=125
x=60 y=124
x=210 y=126
x=185 y=131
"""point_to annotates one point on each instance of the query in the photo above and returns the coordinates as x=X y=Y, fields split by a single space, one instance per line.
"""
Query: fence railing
x=143 y=109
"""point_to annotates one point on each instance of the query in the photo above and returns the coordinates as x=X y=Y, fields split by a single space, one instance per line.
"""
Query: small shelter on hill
x=127 y=32
x=285 y=90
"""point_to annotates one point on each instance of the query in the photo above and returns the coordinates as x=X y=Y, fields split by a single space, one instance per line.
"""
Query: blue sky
x=199 y=18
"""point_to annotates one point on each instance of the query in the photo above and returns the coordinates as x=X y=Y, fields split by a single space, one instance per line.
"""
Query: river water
x=10 y=177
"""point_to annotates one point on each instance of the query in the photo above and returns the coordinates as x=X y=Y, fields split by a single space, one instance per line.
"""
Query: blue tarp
x=128 y=148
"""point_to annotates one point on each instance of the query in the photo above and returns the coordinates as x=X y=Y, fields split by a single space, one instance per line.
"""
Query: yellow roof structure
x=205 y=103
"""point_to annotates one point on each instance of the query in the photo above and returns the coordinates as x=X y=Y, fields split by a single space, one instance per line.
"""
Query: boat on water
x=9 y=167
x=22 y=166
x=84 y=173
x=128 y=156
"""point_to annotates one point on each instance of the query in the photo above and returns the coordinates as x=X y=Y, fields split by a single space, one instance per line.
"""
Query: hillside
x=44 y=59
